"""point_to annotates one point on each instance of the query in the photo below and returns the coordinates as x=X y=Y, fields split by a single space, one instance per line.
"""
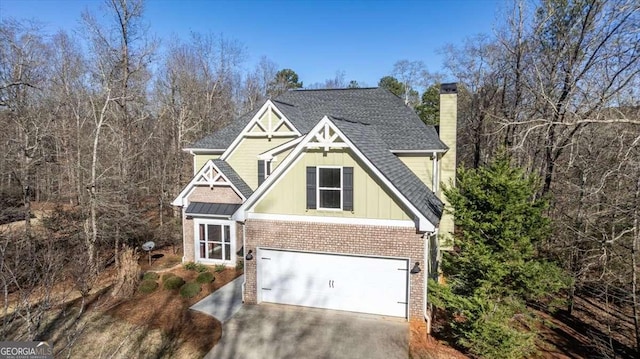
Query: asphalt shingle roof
x=233 y=176
x=222 y=138
x=218 y=209
x=399 y=126
x=374 y=119
x=367 y=141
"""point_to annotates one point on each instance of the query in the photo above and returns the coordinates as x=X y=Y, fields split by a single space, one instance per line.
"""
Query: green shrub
x=201 y=268
x=167 y=276
x=189 y=290
x=205 y=277
x=174 y=282
x=150 y=276
x=198 y=267
x=239 y=265
x=148 y=286
x=219 y=268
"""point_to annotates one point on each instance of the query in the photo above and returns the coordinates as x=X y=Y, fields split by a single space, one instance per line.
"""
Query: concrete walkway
x=224 y=302
x=283 y=332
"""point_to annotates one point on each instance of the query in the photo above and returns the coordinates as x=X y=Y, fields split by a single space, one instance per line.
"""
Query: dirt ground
x=422 y=346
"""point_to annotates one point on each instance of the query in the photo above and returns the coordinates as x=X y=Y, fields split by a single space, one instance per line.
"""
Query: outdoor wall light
x=249 y=255
x=416 y=268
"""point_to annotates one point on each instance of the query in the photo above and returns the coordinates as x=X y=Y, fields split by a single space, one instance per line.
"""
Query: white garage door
x=340 y=282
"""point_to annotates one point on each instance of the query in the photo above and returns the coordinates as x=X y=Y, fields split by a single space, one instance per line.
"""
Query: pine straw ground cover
x=184 y=331
x=146 y=325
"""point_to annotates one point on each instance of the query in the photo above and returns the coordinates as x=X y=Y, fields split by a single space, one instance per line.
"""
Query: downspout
x=425 y=277
x=183 y=211
x=244 y=257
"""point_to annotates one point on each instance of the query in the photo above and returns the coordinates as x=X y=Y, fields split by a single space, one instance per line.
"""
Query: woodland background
x=93 y=126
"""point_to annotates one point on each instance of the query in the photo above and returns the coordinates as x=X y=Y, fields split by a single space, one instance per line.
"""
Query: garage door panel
x=341 y=282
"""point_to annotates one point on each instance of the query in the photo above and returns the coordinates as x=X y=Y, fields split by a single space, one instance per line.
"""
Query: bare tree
x=23 y=56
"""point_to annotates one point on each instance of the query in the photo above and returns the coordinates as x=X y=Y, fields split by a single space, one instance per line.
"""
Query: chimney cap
x=449 y=88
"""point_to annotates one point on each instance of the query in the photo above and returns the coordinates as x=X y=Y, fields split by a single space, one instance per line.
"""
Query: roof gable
x=398 y=126
x=405 y=186
x=214 y=173
x=267 y=122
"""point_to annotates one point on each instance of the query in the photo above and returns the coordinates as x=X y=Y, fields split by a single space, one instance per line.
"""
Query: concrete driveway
x=282 y=332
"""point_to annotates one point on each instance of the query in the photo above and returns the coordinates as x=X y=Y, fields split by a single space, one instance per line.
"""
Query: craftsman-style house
x=331 y=197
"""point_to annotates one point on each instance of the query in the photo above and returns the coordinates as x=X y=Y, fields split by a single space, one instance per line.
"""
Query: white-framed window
x=214 y=240
x=329 y=188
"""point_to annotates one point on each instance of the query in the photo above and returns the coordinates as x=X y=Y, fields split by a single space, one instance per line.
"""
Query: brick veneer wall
x=188 y=241
x=217 y=194
x=348 y=239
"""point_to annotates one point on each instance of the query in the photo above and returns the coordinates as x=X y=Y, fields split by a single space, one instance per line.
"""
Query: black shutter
x=347 y=188
x=260 y=172
x=311 y=188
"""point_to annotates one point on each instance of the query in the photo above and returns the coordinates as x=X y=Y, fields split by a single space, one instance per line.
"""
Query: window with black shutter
x=330 y=188
x=261 y=172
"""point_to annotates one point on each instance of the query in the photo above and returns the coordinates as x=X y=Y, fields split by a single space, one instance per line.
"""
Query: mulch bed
x=167 y=311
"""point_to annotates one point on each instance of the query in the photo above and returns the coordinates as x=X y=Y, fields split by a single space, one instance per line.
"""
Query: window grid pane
x=215 y=241
x=227 y=234
x=330 y=198
x=329 y=177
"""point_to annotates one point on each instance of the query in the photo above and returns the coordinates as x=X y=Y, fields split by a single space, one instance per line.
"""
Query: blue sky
x=315 y=38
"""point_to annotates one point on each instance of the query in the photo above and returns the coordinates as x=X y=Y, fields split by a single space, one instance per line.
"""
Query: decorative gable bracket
x=210 y=177
x=326 y=138
x=269 y=123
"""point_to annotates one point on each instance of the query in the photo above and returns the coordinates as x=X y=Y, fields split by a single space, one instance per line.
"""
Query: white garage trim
x=357 y=283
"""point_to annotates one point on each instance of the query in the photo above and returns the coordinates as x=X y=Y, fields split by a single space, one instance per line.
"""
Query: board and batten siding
x=244 y=158
x=200 y=160
x=279 y=158
x=370 y=198
x=422 y=166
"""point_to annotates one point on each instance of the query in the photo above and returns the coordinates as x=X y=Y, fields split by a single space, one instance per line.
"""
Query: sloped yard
x=148 y=325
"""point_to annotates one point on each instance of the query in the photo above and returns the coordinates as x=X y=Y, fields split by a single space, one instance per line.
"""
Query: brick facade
x=215 y=194
x=338 y=238
x=188 y=240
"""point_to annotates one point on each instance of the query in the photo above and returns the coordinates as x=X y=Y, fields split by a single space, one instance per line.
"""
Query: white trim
x=269 y=155
x=333 y=220
x=324 y=139
x=423 y=224
x=246 y=131
x=204 y=151
x=195 y=170
x=425 y=152
x=434 y=173
x=318 y=189
x=211 y=181
x=184 y=238
x=232 y=240
x=204 y=215
x=270 y=135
